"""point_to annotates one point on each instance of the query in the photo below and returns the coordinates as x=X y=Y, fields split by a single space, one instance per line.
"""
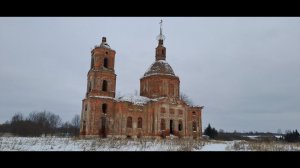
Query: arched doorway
x=162 y=124
x=103 y=127
x=180 y=125
x=171 y=127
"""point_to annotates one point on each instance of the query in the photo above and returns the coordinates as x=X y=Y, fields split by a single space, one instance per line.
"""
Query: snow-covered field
x=113 y=144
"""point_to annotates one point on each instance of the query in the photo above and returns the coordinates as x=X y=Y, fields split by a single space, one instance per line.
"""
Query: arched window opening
x=194 y=126
x=105 y=62
x=85 y=107
x=162 y=124
x=194 y=113
x=89 y=86
x=140 y=122
x=104 y=85
x=104 y=108
x=180 y=125
x=129 y=122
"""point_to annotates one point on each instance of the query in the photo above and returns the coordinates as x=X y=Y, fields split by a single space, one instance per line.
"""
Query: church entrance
x=103 y=127
x=171 y=127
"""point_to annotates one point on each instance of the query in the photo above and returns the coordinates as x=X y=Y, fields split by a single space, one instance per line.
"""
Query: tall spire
x=160 y=49
x=160 y=36
x=160 y=27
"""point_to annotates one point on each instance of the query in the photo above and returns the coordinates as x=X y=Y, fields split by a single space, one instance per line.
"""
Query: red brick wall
x=159 y=86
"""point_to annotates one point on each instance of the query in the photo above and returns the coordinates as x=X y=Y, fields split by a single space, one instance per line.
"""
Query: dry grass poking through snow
x=118 y=144
x=264 y=146
x=97 y=144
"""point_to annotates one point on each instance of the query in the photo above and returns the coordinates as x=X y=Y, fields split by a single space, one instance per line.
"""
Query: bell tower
x=160 y=49
x=97 y=106
x=101 y=76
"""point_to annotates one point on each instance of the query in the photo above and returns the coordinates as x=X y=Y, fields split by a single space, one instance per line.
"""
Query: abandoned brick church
x=158 y=111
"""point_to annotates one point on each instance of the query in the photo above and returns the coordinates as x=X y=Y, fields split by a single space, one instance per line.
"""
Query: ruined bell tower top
x=160 y=49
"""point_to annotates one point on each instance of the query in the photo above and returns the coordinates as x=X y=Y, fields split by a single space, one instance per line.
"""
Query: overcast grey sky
x=245 y=71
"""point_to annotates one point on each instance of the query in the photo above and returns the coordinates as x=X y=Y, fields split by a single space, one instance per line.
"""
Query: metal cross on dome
x=160 y=36
x=161 y=21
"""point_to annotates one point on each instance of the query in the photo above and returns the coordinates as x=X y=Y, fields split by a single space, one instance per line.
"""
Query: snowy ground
x=216 y=147
x=109 y=144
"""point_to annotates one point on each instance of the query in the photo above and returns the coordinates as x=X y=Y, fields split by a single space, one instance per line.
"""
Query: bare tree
x=54 y=122
x=41 y=121
x=76 y=124
x=46 y=122
x=17 y=123
x=17 y=117
x=66 y=128
x=184 y=97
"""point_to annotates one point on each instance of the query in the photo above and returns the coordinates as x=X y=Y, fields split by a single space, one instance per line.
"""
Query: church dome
x=160 y=67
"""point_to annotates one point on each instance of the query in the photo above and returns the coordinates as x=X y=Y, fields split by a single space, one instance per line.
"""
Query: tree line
x=292 y=136
x=212 y=133
x=41 y=123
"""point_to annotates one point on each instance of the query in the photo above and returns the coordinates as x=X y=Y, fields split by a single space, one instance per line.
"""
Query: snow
x=118 y=144
x=215 y=147
x=105 y=45
x=252 y=136
x=158 y=74
x=163 y=61
x=96 y=144
x=135 y=99
x=160 y=67
x=259 y=136
x=196 y=106
x=104 y=97
x=160 y=37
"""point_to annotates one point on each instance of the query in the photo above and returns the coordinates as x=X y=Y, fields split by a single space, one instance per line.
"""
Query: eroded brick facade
x=158 y=111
